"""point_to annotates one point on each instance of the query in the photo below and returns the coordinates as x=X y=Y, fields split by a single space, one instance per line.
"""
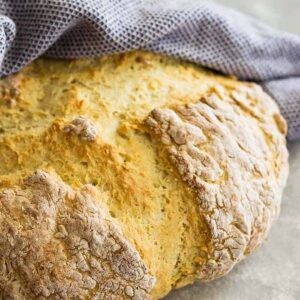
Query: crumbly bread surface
x=62 y=246
x=125 y=176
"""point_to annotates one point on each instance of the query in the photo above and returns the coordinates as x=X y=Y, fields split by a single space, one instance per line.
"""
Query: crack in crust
x=56 y=243
x=229 y=158
x=83 y=127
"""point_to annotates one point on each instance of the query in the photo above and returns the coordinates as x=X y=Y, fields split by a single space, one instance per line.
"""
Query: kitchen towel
x=202 y=32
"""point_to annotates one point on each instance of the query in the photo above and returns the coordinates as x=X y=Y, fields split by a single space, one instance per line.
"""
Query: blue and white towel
x=204 y=33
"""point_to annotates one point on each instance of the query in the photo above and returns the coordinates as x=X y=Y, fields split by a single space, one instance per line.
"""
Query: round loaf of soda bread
x=125 y=176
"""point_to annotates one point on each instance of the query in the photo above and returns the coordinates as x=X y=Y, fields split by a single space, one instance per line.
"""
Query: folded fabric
x=204 y=33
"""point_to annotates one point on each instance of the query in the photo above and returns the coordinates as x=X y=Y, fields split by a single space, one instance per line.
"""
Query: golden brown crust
x=186 y=196
x=224 y=157
x=56 y=243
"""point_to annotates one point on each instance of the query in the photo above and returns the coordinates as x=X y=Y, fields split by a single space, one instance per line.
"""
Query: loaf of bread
x=125 y=176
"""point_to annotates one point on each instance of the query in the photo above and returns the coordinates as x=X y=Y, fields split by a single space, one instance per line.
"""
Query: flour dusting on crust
x=227 y=154
x=56 y=243
x=83 y=127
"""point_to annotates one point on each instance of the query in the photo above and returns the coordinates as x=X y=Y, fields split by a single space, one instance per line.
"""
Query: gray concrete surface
x=273 y=272
x=281 y=14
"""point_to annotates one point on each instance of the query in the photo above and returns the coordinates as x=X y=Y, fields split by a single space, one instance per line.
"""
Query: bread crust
x=126 y=176
x=57 y=243
x=224 y=157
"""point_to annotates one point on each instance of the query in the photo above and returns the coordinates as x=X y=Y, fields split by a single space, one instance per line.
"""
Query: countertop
x=273 y=271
